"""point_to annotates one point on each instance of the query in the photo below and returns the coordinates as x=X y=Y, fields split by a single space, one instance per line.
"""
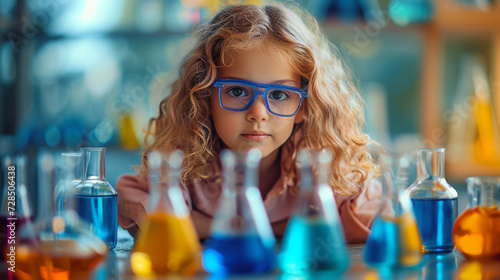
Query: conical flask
x=394 y=239
x=314 y=238
x=61 y=246
x=434 y=201
x=167 y=243
x=15 y=215
x=241 y=240
x=96 y=200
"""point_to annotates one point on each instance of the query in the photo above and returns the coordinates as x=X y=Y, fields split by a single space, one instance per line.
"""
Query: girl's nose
x=258 y=110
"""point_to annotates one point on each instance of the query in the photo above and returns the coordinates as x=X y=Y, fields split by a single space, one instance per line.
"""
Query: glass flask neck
x=316 y=196
x=394 y=180
x=483 y=191
x=164 y=174
x=240 y=170
x=430 y=163
x=14 y=170
x=73 y=163
x=93 y=164
x=323 y=169
x=46 y=175
x=315 y=169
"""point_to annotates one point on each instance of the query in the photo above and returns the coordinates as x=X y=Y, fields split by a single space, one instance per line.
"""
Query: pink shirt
x=356 y=212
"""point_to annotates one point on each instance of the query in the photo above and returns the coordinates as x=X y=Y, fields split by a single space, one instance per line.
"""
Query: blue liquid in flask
x=100 y=212
x=435 y=218
x=238 y=254
x=382 y=245
x=313 y=244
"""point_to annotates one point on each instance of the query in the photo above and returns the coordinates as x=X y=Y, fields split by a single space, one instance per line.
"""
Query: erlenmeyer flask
x=394 y=239
x=167 y=243
x=476 y=232
x=434 y=201
x=70 y=164
x=15 y=215
x=241 y=240
x=314 y=237
x=95 y=198
x=61 y=246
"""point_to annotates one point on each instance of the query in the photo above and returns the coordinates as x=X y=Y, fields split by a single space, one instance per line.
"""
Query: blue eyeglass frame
x=219 y=83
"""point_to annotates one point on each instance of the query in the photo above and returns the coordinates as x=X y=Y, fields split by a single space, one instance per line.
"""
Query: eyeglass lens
x=280 y=101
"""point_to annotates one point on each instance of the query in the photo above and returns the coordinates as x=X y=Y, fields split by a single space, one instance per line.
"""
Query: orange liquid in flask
x=476 y=233
x=57 y=260
x=168 y=244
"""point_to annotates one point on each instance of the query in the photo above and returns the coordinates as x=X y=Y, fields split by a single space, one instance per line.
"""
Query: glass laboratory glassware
x=95 y=198
x=394 y=239
x=314 y=238
x=15 y=212
x=61 y=246
x=241 y=240
x=167 y=243
x=70 y=164
x=476 y=232
x=434 y=201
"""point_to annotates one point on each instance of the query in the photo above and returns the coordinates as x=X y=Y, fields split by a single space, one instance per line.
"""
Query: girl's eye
x=279 y=95
x=237 y=92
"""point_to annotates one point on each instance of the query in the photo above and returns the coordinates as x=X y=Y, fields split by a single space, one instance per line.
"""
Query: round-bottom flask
x=434 y=201
x=476 y=232
x=96 y=200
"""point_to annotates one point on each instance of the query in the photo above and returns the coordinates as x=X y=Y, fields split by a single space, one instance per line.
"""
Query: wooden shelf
x=453 y=18
x=458 y=171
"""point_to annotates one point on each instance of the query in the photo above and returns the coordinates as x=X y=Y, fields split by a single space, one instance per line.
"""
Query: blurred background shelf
x=458 y=171
x=453 y=21
x=452 y=17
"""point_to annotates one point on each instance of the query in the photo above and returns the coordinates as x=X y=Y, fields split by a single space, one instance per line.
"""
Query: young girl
x=260 y=77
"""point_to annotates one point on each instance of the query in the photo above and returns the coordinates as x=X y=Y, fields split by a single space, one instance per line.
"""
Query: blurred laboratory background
x=91 y=73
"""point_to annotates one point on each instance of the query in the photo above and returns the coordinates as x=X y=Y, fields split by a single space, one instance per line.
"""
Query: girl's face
x=255 y=127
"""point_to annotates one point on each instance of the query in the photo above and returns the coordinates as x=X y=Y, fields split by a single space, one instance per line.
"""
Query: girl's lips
x=255 y=137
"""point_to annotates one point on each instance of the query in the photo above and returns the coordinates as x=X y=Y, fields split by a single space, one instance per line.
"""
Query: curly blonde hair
x=333 y=113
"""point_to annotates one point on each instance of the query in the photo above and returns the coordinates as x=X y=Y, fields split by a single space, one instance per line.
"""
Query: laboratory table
x=434 y=266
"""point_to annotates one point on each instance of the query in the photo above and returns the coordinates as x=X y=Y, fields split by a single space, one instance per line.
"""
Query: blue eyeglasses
x=239 y=95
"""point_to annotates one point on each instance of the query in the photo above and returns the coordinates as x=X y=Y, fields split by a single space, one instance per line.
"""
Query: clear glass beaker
x=314 y=237
x=96 y=200
x=476 y=232
x=167 y=243
x=394 y=239
x=241 y=240
x=15 y=214
x=434 y=201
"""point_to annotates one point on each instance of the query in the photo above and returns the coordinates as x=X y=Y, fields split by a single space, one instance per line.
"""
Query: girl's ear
x=300 y=114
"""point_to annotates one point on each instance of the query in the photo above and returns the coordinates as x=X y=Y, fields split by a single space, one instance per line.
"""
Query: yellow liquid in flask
x=167 y=245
